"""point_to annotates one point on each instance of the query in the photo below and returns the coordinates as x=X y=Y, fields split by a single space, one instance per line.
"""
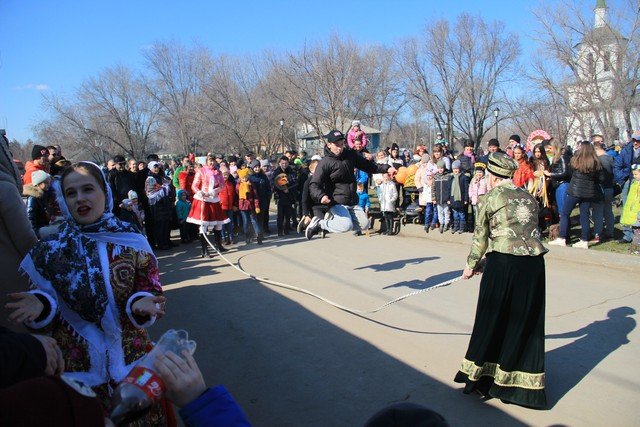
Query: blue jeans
x=250 y=216
x=430 y=215
x=345 y=218
x=627 y=233
x=561 y=195
x=603 y=214
x=569 y=203
x=459 y=218
x=227 y=229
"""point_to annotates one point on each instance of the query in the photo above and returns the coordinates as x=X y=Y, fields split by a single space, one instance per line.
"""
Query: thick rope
x=336 y=305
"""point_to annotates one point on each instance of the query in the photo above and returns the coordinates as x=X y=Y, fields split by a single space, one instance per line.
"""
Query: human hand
x=181 y=375
x=235 y=209
x=55 y=362
x=468 y=273
x=149 y=306
x=547 y=173
x=325 y=200
x=27 y=307
x=257 y=210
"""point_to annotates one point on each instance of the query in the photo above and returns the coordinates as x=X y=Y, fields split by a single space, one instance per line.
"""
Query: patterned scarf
x=71 y=262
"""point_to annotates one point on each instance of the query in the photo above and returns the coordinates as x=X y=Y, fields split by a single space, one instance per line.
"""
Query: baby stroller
x=412 y=209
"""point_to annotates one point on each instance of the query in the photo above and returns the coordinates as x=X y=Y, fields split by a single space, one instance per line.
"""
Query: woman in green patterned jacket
x=505 y=358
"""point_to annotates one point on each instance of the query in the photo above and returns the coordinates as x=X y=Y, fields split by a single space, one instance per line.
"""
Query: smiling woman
x=95 y=286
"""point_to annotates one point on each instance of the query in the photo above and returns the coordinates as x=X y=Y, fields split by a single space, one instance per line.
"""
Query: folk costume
x=88 y=277
x=206 y=210
x=505 y=358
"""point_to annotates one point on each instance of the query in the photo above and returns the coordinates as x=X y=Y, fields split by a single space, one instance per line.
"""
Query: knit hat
x=515 y=138
x=132 y=195
x=394 y=146
x=501 y=165
x=425 y=158
x=38 y=152
x=254 y=163
x=441 y=164
x=355 y=123
x=39 y=176
x=479 y=166
x=493 y=142
x=153 y=164
x=455 y=164
x=243 y=173
x=316 y=157
x=264 y=163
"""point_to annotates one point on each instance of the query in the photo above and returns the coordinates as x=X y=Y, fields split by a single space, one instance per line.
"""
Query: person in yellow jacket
x=631 y=209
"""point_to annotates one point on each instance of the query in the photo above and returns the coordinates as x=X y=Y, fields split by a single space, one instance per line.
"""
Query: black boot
x=218 y=241
x=205 y=247
x=260 y=238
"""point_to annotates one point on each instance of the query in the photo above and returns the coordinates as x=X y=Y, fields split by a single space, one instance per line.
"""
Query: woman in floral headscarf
x=95 y=286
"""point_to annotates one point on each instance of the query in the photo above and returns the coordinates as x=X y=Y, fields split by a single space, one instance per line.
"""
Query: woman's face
x=537 y=153
x=437 y=154
x=517 y=154
x=210 y=162
x=84 y=197
x=549 y=149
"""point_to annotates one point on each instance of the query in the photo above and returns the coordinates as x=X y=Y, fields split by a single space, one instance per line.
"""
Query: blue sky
x=52 y=46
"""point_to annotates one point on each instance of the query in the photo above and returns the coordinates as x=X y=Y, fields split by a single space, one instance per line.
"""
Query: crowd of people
x=79 y=253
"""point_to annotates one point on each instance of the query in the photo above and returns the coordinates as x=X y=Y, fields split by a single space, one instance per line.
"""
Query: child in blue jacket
x=182 y=211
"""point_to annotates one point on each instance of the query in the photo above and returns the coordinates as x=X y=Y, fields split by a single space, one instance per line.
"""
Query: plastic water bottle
x=143 y=386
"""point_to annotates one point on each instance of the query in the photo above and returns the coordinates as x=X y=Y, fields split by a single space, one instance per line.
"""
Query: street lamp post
x=495 y=114
x=282 y=135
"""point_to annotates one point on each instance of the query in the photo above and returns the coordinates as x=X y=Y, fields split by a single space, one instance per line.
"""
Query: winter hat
x=455 y=164
x=493 y=142
x=38 y=152
x=316 y=157
x=153 y=164
x=636 y=135
x=38 y=177
x=264 y=163
x=254 y=163
x=501 y=165
x=132 y=195
x=126 y=203
x=441 y=164
x=297 y=162
x=355 y=123
x=394 y=146
x=242 y=173
x=515 y=138
x=479 y=166
x=425 y=158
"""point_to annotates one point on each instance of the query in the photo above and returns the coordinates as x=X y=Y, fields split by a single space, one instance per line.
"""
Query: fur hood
x=31 y=190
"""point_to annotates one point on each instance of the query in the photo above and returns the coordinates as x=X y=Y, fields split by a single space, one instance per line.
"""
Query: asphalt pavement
x=291 y=359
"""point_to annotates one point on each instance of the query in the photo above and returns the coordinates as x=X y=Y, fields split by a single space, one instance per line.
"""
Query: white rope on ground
x=336 y=305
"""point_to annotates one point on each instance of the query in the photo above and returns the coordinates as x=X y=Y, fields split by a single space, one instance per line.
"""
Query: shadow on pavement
x=288 y=367
x=428 y=282
x=397 y=265
x=566 y=366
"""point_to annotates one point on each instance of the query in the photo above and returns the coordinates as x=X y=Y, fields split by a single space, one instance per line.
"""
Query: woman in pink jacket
x=205 y=209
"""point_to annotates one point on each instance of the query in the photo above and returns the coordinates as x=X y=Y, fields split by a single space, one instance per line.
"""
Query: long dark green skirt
x=505 y=358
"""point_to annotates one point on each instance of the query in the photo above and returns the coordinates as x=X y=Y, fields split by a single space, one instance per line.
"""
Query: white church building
x=599 y=95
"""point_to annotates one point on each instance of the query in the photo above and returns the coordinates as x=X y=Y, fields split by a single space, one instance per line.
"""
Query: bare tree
x=177 y=75
x=489 y=56
x=592 y=66
x=113 y=110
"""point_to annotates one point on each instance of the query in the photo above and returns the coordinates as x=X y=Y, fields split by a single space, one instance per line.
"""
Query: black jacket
x=262 y=185
x=291 y=194
x=334 y=176
x=21 y=357
x=586 y=185
x=36 y=207
x=561 y=170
